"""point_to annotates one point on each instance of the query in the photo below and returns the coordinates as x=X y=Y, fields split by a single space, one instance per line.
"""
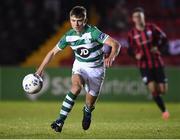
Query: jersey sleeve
x=62 y=43
x=99 y=36
x=160 y=36
x=159 y=31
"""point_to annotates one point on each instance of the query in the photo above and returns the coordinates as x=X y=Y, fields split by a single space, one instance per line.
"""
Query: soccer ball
x=32 y=83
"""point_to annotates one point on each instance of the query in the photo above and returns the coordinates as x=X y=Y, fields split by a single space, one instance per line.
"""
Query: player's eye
x=80 y=20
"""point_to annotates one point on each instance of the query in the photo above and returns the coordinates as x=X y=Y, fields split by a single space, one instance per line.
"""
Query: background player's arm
x=159 y=32
x=160 y=39
x=47 y=59
x=114 y=51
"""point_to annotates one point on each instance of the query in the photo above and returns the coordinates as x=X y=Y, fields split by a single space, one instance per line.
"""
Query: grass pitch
x=110 y=120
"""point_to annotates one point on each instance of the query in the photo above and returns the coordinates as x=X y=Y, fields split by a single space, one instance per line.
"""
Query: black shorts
x=154 y=74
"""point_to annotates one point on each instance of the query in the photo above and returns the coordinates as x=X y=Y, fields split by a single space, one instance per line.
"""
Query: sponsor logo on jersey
x=83 y=52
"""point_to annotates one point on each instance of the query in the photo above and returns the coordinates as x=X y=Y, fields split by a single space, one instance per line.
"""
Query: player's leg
x=162 y=87
x=152 y=86
x=93 y=88
x=91 y=100
x=161 y=80
x=149 y=78
x=87 y=110
x=68 y=103
x=77 y=83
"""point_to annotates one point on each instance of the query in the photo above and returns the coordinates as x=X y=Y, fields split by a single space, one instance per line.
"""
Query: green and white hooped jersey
x=87 y=46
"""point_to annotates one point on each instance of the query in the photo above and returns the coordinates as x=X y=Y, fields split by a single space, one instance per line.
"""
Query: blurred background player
x=145 y=41
x=89 y=66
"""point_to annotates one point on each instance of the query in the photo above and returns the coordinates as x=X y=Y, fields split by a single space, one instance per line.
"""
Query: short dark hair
x=138 y=9
x=78 y=11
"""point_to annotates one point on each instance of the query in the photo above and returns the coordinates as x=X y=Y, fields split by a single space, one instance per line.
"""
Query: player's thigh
x=77 y=83
x=95 y=81
x=147 y=75
x=161 y=80
x=162 y=87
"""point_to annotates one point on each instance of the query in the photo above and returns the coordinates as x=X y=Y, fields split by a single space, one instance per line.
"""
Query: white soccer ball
x=32 y=83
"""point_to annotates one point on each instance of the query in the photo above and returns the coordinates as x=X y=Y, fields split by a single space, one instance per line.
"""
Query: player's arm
x=159 y=32
x=115 y=49
x=161 y=39
x=103 y=38
x=47 y=59
x=60 y=46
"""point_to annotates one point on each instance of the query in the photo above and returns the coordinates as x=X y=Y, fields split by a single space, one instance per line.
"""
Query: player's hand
x=138 y=56
x=108 y=61
x=39 y=73
x=39 y=77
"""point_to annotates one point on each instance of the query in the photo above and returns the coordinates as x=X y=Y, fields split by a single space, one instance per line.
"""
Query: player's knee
x=76 y=89
x=162 y=90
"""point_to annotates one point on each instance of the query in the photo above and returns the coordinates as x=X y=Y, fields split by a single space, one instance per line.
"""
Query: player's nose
x=77 y=23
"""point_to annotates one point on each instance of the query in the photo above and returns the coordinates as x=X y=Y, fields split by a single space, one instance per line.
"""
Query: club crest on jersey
x=87 y=40
x=83 y=52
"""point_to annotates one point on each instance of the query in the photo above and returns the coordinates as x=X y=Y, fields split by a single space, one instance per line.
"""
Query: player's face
x=77 y=23
x=138 y=18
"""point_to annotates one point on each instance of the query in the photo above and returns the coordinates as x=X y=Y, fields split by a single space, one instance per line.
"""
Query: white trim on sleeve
x=58 y=47
x=105 y=38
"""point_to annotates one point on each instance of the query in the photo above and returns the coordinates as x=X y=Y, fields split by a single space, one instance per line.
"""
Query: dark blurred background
x=30 y=28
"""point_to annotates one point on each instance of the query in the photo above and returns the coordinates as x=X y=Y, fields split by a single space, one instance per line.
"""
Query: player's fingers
x=39 y=73
x=109 y=63
x=106 y=63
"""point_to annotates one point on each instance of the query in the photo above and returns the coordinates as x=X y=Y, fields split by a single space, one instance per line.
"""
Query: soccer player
x=145 y=41
x=89 y=66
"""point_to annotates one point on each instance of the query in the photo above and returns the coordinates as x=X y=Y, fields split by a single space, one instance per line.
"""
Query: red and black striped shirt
x=144 y=42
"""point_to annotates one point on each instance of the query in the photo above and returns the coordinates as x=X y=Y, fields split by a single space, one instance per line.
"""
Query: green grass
x=110 y=120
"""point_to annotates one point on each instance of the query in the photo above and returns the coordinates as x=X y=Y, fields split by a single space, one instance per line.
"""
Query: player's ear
x=85 y=21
